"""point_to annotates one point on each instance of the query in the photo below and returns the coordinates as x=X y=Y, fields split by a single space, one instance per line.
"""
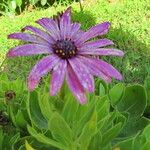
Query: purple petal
x=75 y=86
x=103 y=66
x=77 y=35
x=51 y=26
x=94 y=68
x=94 y=31
x=40 y=69
x=40 y=33
x=97 y=43
x=58 y=76
x=29 y=49
x=74 y=29
x=101 y=51
x=28 y=38
x=109 y=69
x=81 y=71
x=65 y=24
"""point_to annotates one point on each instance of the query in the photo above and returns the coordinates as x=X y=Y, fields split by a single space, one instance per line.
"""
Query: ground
x=130 y=31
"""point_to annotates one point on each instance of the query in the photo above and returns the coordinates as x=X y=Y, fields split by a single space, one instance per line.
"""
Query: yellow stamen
x=60 y=51
x=63 y=54
x=73 y=52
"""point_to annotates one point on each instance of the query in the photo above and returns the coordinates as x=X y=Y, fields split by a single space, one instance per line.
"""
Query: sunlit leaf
x=43 y=139
x=28 y=146
x=60 y=130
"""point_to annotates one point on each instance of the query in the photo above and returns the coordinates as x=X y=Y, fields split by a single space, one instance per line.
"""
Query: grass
x=130 y=31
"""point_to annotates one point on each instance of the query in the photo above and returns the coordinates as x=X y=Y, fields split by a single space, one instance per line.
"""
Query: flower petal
x=74 y=29
x=85 y=78
x=40 y=33
x=65 y=24
x=29 y=49
x=103 y=66
x=102 y=51
x=109 y=69
x=58 y=76
x=51 y=26
x=28 y=38
x=94 y=68
x=74 y=85
x=97 y=43
x=40 y=69
x=94 y=31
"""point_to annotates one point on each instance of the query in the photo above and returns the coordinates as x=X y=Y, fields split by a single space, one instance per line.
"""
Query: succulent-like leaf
x=70 y=109
x=28 y=146
x=134 y=101
x=60 y=130
x=43 y=139
x=34 y=111
x=116 y=93
x=110 y=134
x=43 y=2
x=45 y=105
x=88 y=132
x=134 y=126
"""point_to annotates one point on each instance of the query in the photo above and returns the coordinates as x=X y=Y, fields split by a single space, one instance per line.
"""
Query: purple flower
x=69 y=54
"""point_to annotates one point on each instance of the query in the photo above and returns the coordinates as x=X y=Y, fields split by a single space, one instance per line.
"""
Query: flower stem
x=81 y=7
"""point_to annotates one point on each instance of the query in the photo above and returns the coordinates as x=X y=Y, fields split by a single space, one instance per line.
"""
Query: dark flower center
x=3 y=119
x=9 y=95
x=65 y=49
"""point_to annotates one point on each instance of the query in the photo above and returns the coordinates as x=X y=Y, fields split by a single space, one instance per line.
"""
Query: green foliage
x=112 y=118
x=13 y=95
x=75 y=127
x=12 y=7
x=8 y=141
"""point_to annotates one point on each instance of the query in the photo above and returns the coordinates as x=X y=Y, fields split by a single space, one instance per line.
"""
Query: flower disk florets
x=65 y=48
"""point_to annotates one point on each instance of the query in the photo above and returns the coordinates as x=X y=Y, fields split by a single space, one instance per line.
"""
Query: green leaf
x=108 y=121
x=45 y=105
x=87 y=112
x=14 y=139
x=138 y=142
x=111 y=133
x=124 y=145
x=147 y=87
x=95 y=142
x=20 y=121
x=12 y=115
x=101 y=88
x=133 y=101
x=102 y=107
x=43 y=139
x=12 y=5
x=133 y=126
x=34 y=111
x=116 y=93
x=60 y=130
x=28 y=146
x=19 y=3
x=33 y=2
x=146 y=146
x=70 y=110
x=88 y=132
x=146 y=132
x=43 y=2
x=1 y=138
